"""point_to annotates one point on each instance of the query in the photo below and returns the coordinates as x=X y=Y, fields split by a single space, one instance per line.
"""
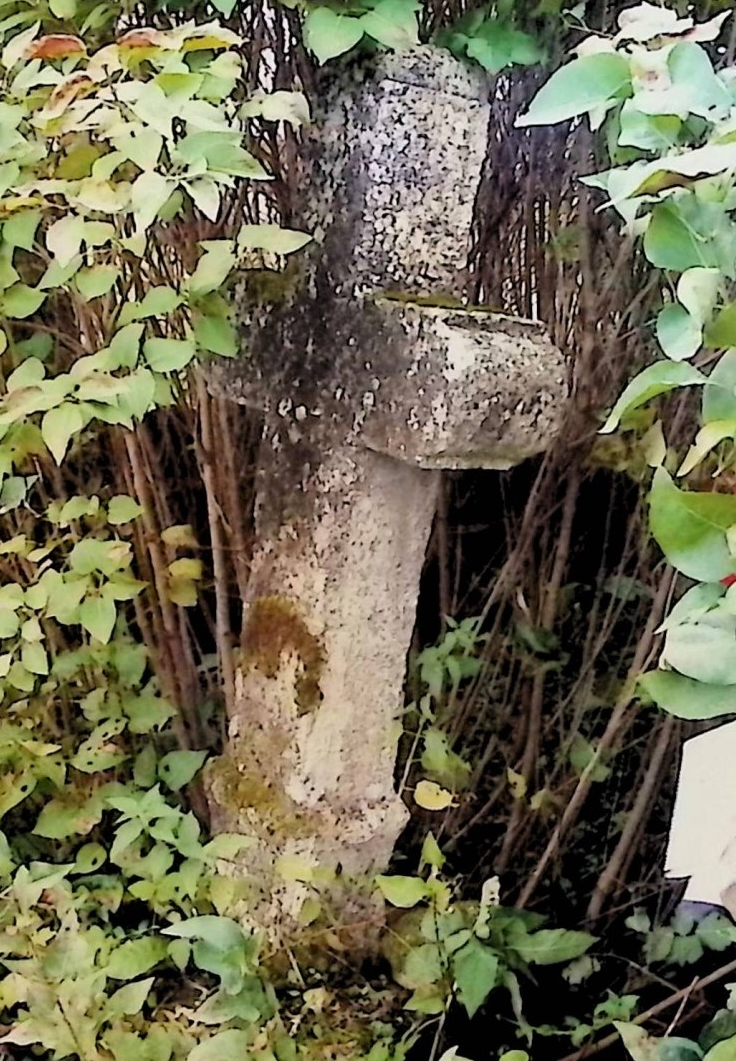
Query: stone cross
x=373 y=375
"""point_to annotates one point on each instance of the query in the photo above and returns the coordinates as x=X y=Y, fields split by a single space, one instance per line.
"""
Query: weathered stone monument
x=372 y=375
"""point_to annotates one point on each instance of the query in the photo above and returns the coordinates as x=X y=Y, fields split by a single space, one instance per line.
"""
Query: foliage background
x=552 y=555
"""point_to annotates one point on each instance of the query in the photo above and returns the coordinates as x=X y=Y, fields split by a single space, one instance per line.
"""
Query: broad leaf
x=475 y=968
x=403 y=892
x=686 y=698
x=328 y=33
x=660 y=378
x=585 y=84
x=690 y=528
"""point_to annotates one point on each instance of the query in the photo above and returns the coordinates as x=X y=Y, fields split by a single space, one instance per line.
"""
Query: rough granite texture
x=372 y=375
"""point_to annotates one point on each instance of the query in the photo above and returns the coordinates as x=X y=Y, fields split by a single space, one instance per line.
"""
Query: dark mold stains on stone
x=275 y=628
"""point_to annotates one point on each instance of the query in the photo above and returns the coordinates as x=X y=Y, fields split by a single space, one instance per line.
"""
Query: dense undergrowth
x=138 y=155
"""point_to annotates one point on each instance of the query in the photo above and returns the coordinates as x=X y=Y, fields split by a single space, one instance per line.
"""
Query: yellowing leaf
x=517 y=783
x=431 y=796
x=186 y=567
x=122 y=509
x=180 y=536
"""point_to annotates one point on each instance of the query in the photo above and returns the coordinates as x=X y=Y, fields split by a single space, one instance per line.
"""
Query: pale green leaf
x=657 y=379
x=229 y=1045
x=122 y=509
x=328 y=33
x=706 y=439
x=59 y=426
x=403 y=892
x=64 y=238
x=34 y=659
x=96 y=281
x=585 y=84
x=21 y=301
x=20 y=229
x=97 y=615
x=169 y=355
x=392 y=23
x=704 y=650
x=129 y=1000
x=135 y=957
x=213 y=267
x=679 y=333
x=177 y=769
x=697 y=291
x=690 y=528
x=272 y=238
x=686 y=698
x=291 y=107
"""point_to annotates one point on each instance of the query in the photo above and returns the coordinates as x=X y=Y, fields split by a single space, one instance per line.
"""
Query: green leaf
x=403 y=892
x=475 y=968
x=20 y=229
x=690 y=528
x=649 y=132
x=392 y=23
x=34 y=659
x=122 y=509
x=707 y=439
x=59 y=820
x=169 y=355
x=216 y=335
x=129 y=1000
x=327 y=33
x=291 y=107
x=158 y=301
x=21 y=301
x=213 y=267
x=693 y=75
x=697 y=291
x=230 y=1045
x=670 y=241
x=178 y=768
x=149 y=193
x=656 y=379
x=97 y=615
x=686 y=698
x=63 y=9
x=585 y=84
x=58 y=427
x=431 y=853
x=135 y=957
x=272 y=238
x=680 y=335
x=550 y=946
x=719 y=398
x=717 y=933
x=89 y=858
x=96 y=281
x=180 y=951
x=722 y=331
x=704 y=650
x=496 y=45
x=222 y=933
x=64 y=238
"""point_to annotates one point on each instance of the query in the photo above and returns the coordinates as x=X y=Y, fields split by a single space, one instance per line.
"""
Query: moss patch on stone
x=275 y=628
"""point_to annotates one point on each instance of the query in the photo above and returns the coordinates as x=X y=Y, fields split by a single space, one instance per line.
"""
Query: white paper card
x=702 y=840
